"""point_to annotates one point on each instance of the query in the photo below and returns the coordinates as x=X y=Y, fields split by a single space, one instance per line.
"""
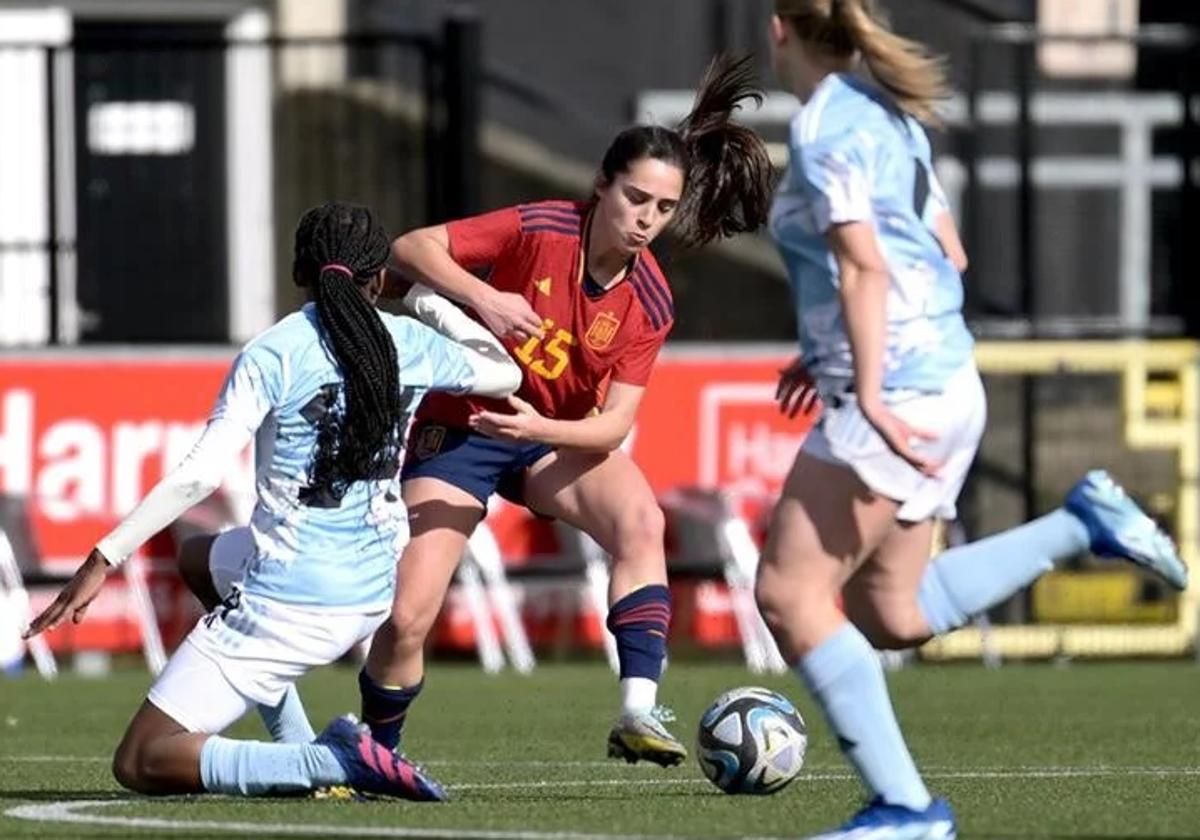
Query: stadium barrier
x=1158 y=396
x=86 y=435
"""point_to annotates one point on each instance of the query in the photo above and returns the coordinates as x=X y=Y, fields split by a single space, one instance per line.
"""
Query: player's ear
x=778 y=30
x=599 y=183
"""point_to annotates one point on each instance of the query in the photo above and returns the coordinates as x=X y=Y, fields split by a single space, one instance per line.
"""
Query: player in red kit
x=583 y=307
x=585 y=335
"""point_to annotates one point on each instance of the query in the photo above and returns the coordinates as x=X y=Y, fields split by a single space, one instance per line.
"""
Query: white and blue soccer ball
x=751 y=740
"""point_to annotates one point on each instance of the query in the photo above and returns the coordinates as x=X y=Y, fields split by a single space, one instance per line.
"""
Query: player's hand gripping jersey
x=537 y=251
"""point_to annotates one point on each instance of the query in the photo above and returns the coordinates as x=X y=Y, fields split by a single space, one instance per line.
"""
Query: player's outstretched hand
x=507 y=314
x=900 y=436
x=797 y=391
x=521 y=426
x=75 y=597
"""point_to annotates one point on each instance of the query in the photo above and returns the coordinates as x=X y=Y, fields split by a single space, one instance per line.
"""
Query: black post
x=718 y=26
x=1026 y=262
x=432 y=58
x=1189 y=214
x=52 y=291
x=463 y=69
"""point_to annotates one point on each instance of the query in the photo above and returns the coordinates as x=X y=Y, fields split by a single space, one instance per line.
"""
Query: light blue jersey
x=282 y=383
x=855 y=158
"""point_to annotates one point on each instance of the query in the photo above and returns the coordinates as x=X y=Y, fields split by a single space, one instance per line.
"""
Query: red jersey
x=536 y=251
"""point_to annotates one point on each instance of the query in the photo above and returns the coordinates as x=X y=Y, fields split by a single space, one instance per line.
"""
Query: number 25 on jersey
x=555 y=352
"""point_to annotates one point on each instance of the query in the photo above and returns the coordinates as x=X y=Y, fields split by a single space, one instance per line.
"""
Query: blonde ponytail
x=914 y=77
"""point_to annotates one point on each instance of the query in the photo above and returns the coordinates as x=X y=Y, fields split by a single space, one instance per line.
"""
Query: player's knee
x=892 y=627
x=768 y=600
x=408 y=626
x=794 y=607
x=640 y=529
x=777 y=594
x=127 y=770
x=124 y=770
x=155 y=768
x=781 y=610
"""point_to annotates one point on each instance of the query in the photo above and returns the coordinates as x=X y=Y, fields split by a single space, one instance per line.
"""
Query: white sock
x=846 y=680
x=638 y=694
x=287 y=722
x=250 y=768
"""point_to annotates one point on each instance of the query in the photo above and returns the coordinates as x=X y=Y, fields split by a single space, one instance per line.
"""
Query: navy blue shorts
x=473 y=462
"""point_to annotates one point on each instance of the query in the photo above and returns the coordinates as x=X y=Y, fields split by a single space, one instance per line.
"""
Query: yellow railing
x=1160 y=396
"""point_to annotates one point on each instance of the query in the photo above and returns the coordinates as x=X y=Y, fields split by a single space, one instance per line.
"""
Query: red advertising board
x=83 y=437
x=709 y=419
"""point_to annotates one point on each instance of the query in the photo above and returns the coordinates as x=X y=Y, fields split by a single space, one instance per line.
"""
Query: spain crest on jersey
x=602 y=331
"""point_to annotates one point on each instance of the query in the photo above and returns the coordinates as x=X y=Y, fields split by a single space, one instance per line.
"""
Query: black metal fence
x=167 y=148
x=1079 y=201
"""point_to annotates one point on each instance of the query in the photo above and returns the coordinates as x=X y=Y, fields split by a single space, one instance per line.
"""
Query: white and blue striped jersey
x=854 y=157
x=311 y=550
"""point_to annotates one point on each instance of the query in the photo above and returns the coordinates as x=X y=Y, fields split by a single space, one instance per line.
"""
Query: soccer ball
x=751 y=740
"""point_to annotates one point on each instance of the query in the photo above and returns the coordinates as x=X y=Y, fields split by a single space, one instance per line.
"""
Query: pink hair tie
x=338 y=267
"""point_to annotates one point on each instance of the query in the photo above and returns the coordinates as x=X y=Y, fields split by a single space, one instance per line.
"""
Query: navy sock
x=639 y=622
x=384 y=708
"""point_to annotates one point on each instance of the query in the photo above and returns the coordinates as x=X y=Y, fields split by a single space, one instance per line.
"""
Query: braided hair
x=339 y=248
x=726 y=166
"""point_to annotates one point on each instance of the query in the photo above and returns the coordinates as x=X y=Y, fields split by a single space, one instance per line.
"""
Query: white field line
x=811 y=772
x=74 y=812
x=68 y=812
x=979 y=773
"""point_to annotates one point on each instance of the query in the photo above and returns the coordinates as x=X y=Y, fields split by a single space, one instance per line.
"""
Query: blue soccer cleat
x=880 y=821
x=1119 y=528
x=371 y=768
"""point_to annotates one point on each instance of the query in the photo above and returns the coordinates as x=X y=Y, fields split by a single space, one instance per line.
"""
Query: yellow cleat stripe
x=646 y=743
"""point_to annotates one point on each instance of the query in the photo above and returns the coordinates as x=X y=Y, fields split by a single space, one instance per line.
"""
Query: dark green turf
x=1022 y=752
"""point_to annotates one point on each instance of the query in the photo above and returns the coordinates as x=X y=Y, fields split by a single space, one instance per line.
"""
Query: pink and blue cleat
x=374 y=770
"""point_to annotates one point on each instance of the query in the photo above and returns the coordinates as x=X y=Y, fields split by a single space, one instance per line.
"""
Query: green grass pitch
x=1087 y=751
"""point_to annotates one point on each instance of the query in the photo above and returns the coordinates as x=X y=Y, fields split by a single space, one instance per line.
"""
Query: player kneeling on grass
x=327 y=394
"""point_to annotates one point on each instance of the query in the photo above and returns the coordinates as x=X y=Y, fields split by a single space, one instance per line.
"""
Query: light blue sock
x=965 y=581
x=844 y=675
x=287 y=722
x=251 y=768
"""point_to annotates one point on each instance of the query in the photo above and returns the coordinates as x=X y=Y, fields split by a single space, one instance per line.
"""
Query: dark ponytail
x=728 y=175
x=729 y=179
x=339 y=248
